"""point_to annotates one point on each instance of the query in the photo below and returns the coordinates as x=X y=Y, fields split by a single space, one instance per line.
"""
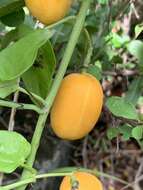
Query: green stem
x=60 y=174
x=30 y=169
x=41 y=176
x=33 y=180
x=20 y=106
x=95 y=172
x=18 y=184
x=61 y=22
x=60 y=74
x=89 y=52
x=34 y=96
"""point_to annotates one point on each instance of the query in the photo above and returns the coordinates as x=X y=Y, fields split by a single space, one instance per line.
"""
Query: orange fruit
x=85 y=180
x=48 y=11
x=77 y=106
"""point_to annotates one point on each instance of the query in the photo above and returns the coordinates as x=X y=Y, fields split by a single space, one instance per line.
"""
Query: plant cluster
x=88 y=40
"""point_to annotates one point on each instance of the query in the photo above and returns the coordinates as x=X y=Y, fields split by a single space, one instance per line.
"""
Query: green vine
x=33 y=178
x=60 y=74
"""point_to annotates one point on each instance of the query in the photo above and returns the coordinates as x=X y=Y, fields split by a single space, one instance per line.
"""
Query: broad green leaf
x=136 y=49
x=24 y=30
x=112 y=133
x=8 y=87
x=8 y=6
x=135 y=90
x=121 y=108
x=95 y=71
x=137 y=132
x=14 y=149
x=39 y=77
x=8 y=38
x=20 y=56
x=126 y=131
x=14 y=35
x=13 y=19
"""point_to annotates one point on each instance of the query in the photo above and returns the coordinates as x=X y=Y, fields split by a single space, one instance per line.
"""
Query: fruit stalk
x=33 y=179
x=60 y=74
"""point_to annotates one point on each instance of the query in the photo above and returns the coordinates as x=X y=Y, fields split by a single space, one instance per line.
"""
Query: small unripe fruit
x=77 y=106
x=48 y=11
x=85 y=181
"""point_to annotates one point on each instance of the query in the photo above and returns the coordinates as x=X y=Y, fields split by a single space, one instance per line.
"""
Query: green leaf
x=13 y=19
x=135 y=90
x=20 y=56
x=126 y=131
x=103 y=2
x=8 y=6
x=8 y=87
x=14 y=149
x=95 y=71
x=121 y=108
x=8 y=38
x=136 y=49
x=138 y=30
x=24 y=30
x=39 y=77
x=137 y=132
x=112 y=133
x=14 y=35
x=119 y=41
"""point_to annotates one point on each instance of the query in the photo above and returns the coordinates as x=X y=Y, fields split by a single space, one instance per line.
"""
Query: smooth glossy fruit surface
x=48 y=11
x=77 y=106
x=86 y=182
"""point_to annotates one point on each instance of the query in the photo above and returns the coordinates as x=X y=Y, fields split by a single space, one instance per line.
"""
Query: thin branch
x=11 y=125
x=132 y=184
x=84 y=151
x=138 y=174
x=13 y=112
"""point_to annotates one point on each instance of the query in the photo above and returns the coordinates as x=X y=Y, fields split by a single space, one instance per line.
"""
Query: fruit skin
x=77 y=106
x=48 y=11
x=86 y=182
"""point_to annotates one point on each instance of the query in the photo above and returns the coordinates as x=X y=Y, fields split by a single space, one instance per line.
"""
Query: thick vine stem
x=60 y=74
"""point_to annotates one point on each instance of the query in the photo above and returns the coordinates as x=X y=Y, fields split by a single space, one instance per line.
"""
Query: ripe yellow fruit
x=77 y=106
x=48 y=11
x=86 y=182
